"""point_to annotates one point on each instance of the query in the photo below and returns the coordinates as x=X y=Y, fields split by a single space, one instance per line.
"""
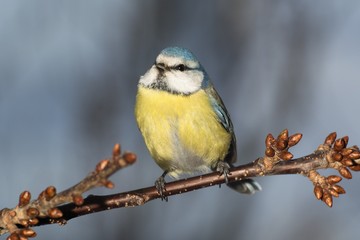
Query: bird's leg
x=160 y=186
x=223 y=167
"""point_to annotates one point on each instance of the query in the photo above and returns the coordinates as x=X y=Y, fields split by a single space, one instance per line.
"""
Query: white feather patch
x=150 y=76
x=184 y=82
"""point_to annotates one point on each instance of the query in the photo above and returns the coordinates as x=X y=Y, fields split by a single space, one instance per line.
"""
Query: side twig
x=29 y=213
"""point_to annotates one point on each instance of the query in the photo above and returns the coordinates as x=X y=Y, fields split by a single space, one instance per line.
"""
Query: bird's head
x=176 y=70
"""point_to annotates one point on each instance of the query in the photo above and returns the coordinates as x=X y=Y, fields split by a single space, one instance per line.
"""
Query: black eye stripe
x=180 y=67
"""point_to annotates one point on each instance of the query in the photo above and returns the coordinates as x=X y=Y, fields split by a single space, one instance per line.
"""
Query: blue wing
x=248 y=186
x=224 y=118
x=219 y=108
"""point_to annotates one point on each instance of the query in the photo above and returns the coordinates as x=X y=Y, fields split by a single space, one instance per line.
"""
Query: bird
x=184 y=122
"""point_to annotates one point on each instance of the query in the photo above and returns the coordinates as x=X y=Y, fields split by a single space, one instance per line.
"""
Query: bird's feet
x=160 y=186
x=223 y=168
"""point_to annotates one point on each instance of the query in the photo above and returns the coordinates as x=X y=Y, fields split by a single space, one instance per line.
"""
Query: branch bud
x=333 y=179
x=345 y=173
x=330 y=139
x=24 y=222
x=269 y=140
x=24 y=198
x=347 y=162
x=333 y=192
x=281 y=145
x=50 y=192
x=327 y=199
x=116 y=150
x=339 y=189
x=32 y=212
x=346 y=151
x=78 y=199
x=284 y=135
x=355 y=168
x=346 y=140
x=33 y=221
x=130 y=157
x=339 y=144
x=318 y=192
x=294 y=139
x=269 y=152
x=337 y=156
x=285 y=156
x=28 y=233
x=55 y=213
x=13 y=236
x=102 y=165
x=354 y=155
x=109 y=184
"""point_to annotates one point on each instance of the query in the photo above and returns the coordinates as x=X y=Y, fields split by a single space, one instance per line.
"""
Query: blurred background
x=68 y=80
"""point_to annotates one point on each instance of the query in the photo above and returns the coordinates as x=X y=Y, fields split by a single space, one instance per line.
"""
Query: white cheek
x=185 y=82
x=149 y=77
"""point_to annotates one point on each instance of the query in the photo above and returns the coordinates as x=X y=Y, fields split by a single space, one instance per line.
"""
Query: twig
x=28 y=213
x=55 y=208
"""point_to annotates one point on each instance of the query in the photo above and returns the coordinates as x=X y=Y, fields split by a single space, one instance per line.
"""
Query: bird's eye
x=180 y=67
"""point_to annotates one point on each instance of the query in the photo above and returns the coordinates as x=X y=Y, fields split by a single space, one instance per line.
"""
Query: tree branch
x=50 y=207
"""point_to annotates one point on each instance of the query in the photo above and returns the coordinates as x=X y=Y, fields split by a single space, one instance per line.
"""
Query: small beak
x=161 y=67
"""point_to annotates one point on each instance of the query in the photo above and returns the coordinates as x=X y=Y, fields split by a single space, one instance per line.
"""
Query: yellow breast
x=182 y=133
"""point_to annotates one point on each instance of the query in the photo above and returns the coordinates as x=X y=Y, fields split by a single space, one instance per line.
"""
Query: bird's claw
x=160 y=186
x=223 y=168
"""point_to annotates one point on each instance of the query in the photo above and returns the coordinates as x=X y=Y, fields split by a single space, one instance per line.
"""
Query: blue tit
x=183 y=120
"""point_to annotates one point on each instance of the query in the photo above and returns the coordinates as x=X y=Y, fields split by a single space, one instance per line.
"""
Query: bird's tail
x=247 y=186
